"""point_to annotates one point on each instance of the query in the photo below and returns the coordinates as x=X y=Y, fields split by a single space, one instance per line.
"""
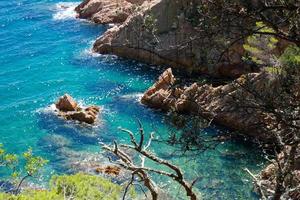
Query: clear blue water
x=44 y=54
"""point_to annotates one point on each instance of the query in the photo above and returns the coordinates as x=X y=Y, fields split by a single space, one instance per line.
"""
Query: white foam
x=134 y=96
x=111 y=25
x=90 y=53
x=49 y=109
x=65 y=10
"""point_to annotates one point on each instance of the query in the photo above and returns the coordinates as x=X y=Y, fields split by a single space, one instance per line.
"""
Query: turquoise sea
x=44 y=53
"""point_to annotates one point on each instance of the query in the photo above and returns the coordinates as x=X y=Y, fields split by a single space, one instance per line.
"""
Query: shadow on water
x=111 y=63
x=79 y=134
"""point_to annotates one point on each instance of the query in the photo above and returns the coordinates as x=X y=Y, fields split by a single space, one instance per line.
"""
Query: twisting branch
x=140 y=171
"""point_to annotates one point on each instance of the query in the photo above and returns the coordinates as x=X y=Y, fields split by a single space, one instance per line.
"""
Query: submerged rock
x=68 y=109
x=54 y=142
x=92 y=163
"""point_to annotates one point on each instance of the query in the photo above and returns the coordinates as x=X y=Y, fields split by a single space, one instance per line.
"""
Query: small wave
x=90 y=53
x=65 y=10
x=136 y=97
x=49 y=109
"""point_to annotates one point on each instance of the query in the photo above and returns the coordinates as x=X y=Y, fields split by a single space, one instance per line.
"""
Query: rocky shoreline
x=160 y=32
x=144 y=31
x=216 y=103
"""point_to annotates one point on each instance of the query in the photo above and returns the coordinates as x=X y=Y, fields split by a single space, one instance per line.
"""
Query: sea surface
x=44 y=53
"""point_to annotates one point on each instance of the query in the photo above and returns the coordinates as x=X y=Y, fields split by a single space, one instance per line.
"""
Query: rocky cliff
x=162 y=32
x=107 y=11
x=219 y=103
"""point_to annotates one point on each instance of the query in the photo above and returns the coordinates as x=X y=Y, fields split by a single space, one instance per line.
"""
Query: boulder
x=69 y=110
x=66 y=103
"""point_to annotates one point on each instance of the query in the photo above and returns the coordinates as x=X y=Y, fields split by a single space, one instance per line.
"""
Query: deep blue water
x=45 y=53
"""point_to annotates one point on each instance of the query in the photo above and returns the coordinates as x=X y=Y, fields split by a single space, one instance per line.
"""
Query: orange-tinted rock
x=106 y=11
x=81 y=117
x=66 y=103
x=110 y=170
x=69 y=110
x=157 y=94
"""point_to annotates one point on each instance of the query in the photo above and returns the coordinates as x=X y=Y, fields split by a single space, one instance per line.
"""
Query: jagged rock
x=157 y=94
x=106 y=11
x=66 y=103
x=69 y=110
x=209 y=101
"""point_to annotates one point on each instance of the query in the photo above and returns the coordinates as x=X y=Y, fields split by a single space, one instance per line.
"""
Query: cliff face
x=106 y=11
x=162 y=32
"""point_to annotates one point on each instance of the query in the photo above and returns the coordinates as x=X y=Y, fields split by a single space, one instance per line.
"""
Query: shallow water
x=45 y=52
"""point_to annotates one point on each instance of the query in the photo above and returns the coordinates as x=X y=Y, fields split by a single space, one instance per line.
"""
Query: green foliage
x=32 y=195
x=6 y=159
x=291 y=56
x=259 y=47
x=84 y=187
x=33 y=163
x=150 y=23
x=79 y=186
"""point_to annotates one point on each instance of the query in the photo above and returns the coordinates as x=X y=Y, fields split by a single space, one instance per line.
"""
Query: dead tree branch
x=140 y=171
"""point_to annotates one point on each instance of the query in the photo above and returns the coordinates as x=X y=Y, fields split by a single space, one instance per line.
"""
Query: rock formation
x=213 y=102
x=155 y=96
x=66 y=103
x=69 y=110
x=161 y=32
x=106 y=11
